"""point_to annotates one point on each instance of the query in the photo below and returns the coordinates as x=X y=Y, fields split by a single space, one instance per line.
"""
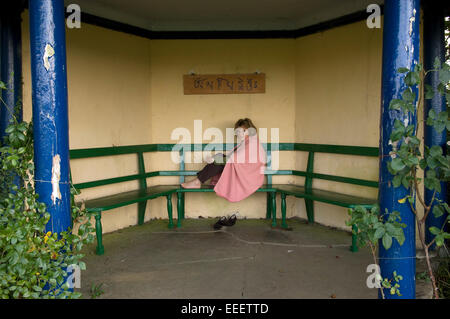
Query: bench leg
x=179 y=208
x=169 y=209
x=274 y=209
x=98 y=229
x=283 y=211
x=354 y=246
x=182 y=205
x=310 y=210
x=269 y=206
x=141 y=212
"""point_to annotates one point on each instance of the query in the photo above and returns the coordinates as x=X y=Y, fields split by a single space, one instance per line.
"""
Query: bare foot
x=192 y=184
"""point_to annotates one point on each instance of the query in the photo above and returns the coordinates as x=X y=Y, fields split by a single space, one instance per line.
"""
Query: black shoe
x=221 y=222
x=231 y=220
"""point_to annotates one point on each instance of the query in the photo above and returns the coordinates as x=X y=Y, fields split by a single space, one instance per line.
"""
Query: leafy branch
x=371 y=227
x=33 y=261
x=407 y=159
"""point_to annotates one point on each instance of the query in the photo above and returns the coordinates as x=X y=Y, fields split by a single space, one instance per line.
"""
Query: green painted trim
x=334 y=178
x=337 y=149
x=141 y=165
x=268 y=206
x=182 y=165
x=169 y=209
x=100 y=250
x=209 y=189
x=108 y=151
x=107 y=181
x=309 y=171
x=179 y=208
x=347 y=180
x=144 y=148
x=142 y=206
x=312 y=198
x=274 y=209
x=268 y=148
x=283 y=211
x=309 y=204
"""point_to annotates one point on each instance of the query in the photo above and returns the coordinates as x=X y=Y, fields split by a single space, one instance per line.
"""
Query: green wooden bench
x=144 y=193
x=311 y=194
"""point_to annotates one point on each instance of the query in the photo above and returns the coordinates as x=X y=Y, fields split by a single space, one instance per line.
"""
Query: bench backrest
x=142 y=175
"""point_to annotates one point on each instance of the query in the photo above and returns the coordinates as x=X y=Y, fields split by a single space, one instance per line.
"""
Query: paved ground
x=248 y=260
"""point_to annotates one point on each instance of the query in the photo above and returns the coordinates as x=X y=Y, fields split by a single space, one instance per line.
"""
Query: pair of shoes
x=223 y=221
x=231 y=220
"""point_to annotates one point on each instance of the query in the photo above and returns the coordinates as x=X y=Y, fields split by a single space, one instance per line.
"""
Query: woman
x=242 y=171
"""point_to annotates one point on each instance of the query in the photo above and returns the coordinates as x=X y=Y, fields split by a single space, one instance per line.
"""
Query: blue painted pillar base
x=400 y=49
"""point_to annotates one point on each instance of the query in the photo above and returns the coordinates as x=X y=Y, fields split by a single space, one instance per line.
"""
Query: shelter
x=117 y=80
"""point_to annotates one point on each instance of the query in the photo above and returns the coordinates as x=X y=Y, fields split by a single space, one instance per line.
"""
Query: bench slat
x=337 y=149
x=325 y=196
x=127 y=198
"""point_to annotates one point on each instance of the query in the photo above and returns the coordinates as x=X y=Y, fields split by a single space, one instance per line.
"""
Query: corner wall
x=338 y=85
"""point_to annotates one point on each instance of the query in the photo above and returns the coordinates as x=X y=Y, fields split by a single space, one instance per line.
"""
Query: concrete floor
x=247 y=260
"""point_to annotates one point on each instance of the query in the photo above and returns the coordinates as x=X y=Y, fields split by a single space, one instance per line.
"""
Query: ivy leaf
x=379 y=233
x=437 y=63
x=411 y=79
x=400 y=237
x=404 y=70
x=438 y=211
x=397 y=164
x=396 y=104
x=441 y=89
x=443 y=116
x=397 y=180
x=423 y=164
x=444 y=76
x=387 y=241
x=411 y=161
x=435 y=150
x=408 y=95
x=439 y=240
x=432 y=114
x=429 y=92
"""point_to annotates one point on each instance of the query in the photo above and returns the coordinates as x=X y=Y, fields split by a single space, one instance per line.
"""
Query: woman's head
x=244 y=127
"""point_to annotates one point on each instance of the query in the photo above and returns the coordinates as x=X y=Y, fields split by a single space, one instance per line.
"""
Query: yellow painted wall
x=123 y=90
x=338 y=86
x=170 y=59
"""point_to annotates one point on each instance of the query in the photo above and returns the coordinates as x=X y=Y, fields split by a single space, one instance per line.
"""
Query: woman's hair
x=247 y=124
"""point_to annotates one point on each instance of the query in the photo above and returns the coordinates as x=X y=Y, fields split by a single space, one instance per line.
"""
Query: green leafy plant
x=407 y=159
x=443 y=278
x=393 y=284
x=33 y=261
x=96 y=290
x=370 y=227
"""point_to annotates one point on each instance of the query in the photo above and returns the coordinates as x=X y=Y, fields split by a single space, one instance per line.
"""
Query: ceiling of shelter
x=221 y=15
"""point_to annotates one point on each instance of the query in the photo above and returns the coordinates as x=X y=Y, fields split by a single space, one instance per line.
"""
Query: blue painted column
x=11 y=68
x=50 y=110
x=400 y=49
x=11 y=64
x=434 y=46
